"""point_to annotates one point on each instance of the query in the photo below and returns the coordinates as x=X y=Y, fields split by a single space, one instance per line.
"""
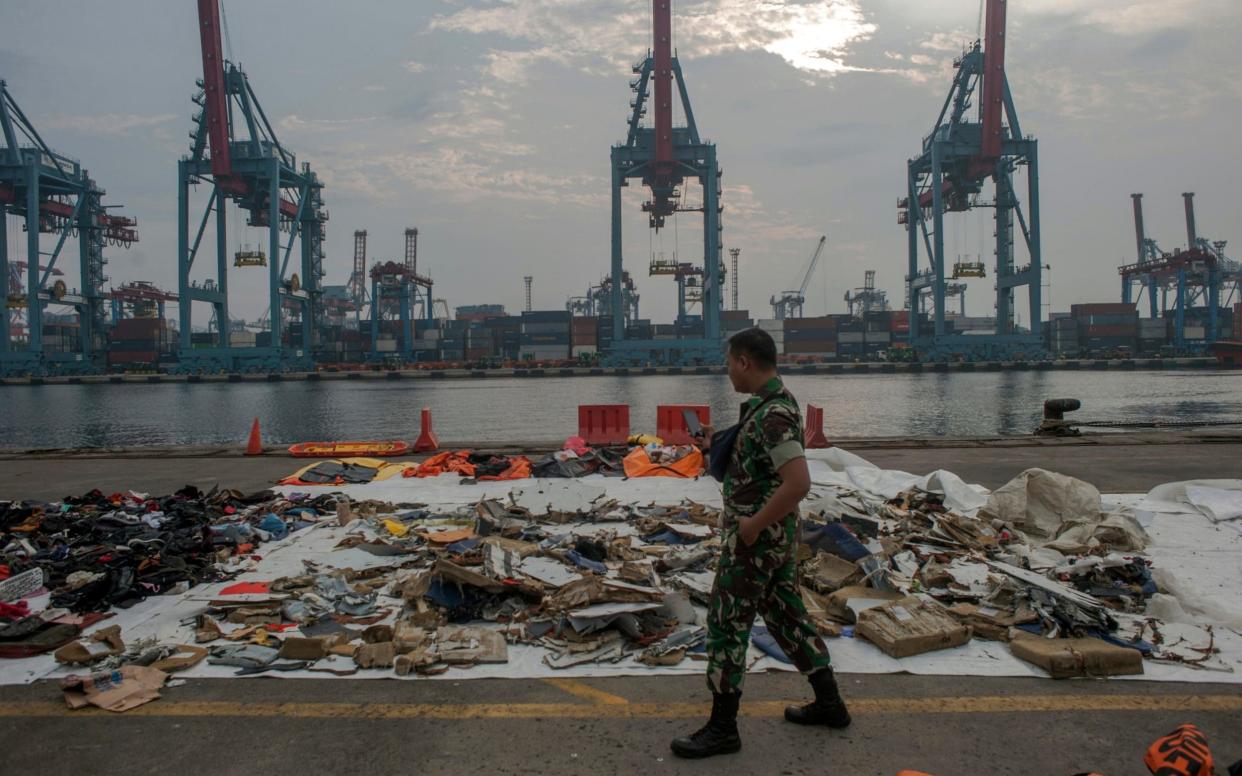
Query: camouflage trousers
x=759 y=579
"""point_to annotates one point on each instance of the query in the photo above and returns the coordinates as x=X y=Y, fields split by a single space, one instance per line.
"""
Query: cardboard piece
x=104 y=642
x=830 y=573
x=186 y=656
x=911 y=626
x=206 y=630
x=376 y=655
x=837 y=604
x=462 y=645
x=410 y=637
x=296 y=648
x=989 y=622
x=1064 y=658
x=119 y=690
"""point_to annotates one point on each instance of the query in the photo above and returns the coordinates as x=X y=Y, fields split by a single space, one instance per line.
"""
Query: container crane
x=664 y=157
x=261 y=177
x=54 y=195
x=867 y=298
x=960 y=155
x=139 y=299
x=420 y=281
x=601 y=298
x=1195 y=275
x=789 y=303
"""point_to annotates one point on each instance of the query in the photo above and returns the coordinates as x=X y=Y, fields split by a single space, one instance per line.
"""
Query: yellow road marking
x=575 y=687
x=985 y=704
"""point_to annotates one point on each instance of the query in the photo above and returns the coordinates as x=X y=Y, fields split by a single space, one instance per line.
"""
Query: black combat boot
x=827 y=708
x=719 y=735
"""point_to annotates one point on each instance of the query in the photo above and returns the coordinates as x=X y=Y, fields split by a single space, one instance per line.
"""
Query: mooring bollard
x=1054 y=423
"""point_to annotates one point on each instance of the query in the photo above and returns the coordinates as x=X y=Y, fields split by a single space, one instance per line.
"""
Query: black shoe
x=718 y=736
x=827 y=708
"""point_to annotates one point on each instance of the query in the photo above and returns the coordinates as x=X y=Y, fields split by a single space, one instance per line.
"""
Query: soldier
x=765 y=478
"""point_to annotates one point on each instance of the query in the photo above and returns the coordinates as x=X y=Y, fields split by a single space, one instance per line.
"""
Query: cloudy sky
x=486 y=123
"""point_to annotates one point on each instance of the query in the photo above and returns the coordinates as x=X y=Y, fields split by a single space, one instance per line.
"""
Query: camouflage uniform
x=760 y=578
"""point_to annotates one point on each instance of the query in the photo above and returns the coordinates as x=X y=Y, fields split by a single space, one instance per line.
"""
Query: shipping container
x=1109 y=319
x=821 y=346
x=545 y=328
x=1102 y=308
x=546 y=316
x=545 y=339
x=850 y=337
x=1091 y=332
x=821 y=323
x=134 y=357
x=544 y=354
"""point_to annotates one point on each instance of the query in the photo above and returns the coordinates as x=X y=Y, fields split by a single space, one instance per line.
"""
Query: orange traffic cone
x=426 y=437
x=255 y=445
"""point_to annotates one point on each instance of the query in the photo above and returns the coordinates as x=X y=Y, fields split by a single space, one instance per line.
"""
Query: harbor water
x=480 y=411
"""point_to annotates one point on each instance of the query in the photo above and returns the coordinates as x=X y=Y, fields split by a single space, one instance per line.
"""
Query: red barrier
x=426 y=437
x=813 y=435
x=604 y=424
x=671 y=425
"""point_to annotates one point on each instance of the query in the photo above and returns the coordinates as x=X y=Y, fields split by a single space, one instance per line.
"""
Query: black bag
x=720 y=449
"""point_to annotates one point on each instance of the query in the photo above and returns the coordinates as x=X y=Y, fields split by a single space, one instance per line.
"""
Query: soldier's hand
x=705 y=436
x=748 y=530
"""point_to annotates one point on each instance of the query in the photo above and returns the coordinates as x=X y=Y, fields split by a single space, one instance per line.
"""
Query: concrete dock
x=1115 y=463
x=941 y=725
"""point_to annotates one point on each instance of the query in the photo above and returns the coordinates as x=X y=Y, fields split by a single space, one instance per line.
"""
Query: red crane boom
x=663 y=55
x=993 y=79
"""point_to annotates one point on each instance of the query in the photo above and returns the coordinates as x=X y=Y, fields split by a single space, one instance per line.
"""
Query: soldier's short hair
x=755 y=344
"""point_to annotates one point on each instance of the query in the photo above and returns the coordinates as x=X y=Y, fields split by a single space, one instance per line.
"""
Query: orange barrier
x=813 y=435
x=254 y=446
x=604 y=424
x=427 y=440
x=671 y=425
x=639 y=464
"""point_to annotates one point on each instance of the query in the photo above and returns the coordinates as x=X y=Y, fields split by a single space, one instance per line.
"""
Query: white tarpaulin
x=1196 y=559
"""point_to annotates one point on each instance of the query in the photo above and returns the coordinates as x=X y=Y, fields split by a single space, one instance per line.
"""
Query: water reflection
x=515 y=409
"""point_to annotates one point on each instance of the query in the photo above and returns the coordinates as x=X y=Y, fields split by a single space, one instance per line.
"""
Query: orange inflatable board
x=639 y=464
x=348 y=449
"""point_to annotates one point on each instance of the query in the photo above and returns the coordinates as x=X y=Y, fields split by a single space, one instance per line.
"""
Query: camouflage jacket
x=771 y=438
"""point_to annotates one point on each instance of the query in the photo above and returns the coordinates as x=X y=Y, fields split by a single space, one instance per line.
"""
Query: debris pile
x=563 y=575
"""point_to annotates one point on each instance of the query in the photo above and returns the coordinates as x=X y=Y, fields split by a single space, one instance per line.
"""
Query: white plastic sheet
x=1200 y=556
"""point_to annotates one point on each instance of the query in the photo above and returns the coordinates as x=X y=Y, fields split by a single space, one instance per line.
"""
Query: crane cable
x=228 y=42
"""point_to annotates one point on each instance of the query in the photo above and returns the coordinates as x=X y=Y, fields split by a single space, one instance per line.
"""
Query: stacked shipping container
x=545 y=335
x=584 y=334
x=1106 y=325
x=140 y=341
x=811 y=337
